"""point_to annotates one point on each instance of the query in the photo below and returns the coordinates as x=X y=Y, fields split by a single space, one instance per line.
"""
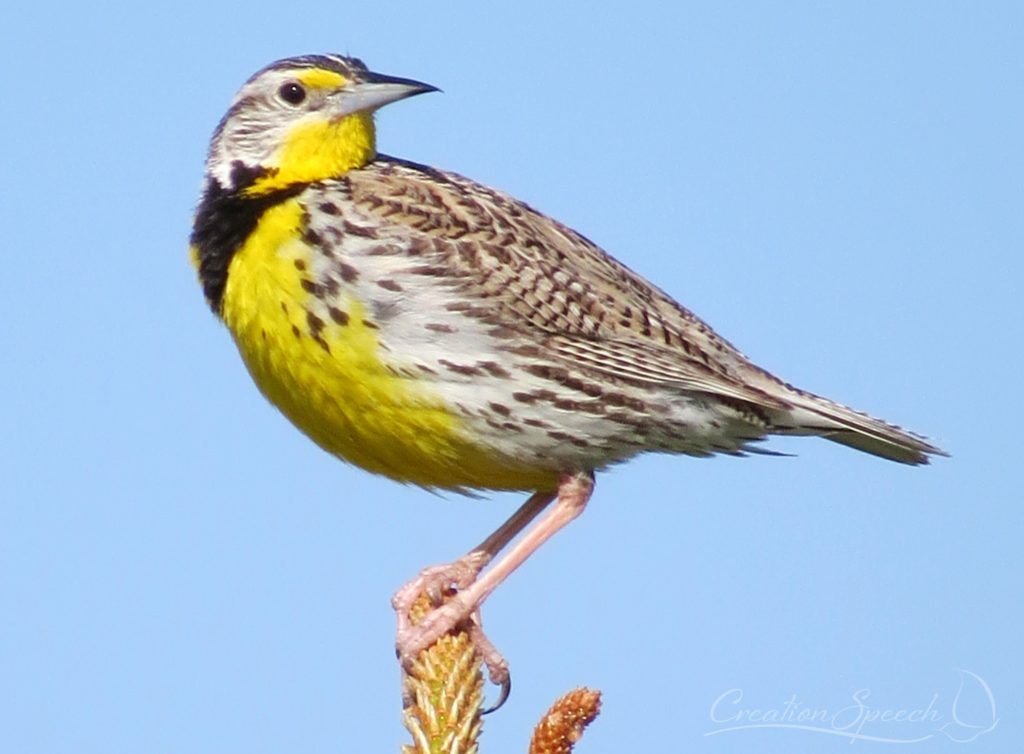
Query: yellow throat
x=320 y=150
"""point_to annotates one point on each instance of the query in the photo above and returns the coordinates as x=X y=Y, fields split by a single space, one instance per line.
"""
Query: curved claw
x=506 y=691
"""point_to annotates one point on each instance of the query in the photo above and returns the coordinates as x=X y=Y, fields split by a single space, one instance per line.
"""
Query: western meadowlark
x=439 y=332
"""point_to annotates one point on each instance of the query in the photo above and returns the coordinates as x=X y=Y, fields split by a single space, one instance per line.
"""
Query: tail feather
x=814 y=415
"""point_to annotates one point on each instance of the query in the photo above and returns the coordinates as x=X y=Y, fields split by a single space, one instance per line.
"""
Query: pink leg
x=472 y=589
x=439 y=581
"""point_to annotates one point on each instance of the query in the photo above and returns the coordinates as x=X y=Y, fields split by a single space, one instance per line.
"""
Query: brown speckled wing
x=522 y=270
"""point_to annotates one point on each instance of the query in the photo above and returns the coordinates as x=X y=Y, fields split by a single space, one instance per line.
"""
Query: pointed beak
x=377 y=90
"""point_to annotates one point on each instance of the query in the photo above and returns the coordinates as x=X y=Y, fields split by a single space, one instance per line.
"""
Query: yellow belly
x=329 y=378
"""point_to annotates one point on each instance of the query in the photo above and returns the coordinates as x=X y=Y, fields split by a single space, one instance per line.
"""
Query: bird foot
x=445 y=588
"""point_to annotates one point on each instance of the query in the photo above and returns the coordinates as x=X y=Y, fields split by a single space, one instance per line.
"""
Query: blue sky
x=835 y=187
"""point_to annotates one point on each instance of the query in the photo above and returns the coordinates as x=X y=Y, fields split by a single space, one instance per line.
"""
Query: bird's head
x=299 y=120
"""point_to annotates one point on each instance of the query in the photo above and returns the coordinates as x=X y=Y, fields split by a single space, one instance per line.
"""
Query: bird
x=442 y=333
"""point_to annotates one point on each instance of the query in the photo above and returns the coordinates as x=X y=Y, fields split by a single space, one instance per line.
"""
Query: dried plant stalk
x=444 y=692
x=562 y=726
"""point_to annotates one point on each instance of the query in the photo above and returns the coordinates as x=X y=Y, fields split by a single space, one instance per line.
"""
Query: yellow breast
x=328 y=375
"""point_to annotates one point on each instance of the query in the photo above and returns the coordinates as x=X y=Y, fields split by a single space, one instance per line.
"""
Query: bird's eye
x=292 y=93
